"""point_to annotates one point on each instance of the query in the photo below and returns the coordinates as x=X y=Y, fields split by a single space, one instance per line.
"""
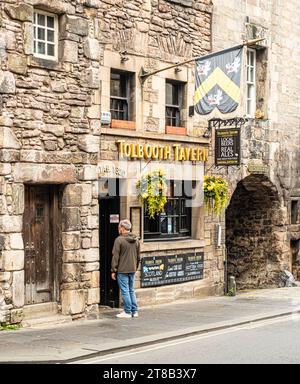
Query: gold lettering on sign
x=140 y=151
x=162 y=152
x=120 y=147
x=127 y=150
x=193 y=154
x=181 y=154
x=148 y=151
x=176 y=151
x=155 y=152
x=187 y=153
x=167 y=153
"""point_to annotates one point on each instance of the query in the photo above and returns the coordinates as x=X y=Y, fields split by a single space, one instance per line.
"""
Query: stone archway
x=253 y=237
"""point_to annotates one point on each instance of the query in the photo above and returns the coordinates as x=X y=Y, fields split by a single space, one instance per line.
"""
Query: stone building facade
x=262 y=220
x=61 y=62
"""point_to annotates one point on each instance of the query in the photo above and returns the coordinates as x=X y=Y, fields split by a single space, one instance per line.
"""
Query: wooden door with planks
x=41 y=239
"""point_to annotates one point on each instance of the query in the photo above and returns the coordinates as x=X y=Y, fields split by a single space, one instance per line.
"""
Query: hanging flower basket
x=152 y=191
x=216 y=194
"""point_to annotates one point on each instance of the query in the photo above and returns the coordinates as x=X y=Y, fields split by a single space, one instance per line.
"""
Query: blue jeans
x=126 y=284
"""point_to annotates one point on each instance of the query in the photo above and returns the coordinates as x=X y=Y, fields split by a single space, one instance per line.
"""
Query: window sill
x=123 y=124
x=171 y=245
x=38 y=62
x=176 y=130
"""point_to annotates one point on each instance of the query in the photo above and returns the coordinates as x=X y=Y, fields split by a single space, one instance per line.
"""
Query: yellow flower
x=210 y=188
x=145 y=195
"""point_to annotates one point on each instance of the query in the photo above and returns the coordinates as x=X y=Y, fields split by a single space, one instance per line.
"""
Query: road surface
x=272 y=341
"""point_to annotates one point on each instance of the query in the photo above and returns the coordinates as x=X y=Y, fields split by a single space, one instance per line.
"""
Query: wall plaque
x=257 y=167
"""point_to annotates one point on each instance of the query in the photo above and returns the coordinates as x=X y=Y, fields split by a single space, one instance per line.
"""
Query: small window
x=45 y=41
x=251 y=82
x=295 y=211
x=122 y=95
x=174 y=103
x=175 y=221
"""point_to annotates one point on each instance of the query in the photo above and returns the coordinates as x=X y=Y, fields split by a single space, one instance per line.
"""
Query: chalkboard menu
x=173 y=269
x=227 y=148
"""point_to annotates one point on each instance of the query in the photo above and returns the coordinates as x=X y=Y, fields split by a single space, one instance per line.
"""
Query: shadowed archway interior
x=253 y=221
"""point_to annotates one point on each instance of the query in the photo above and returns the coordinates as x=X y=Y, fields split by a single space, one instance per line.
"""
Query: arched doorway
x=254 y=250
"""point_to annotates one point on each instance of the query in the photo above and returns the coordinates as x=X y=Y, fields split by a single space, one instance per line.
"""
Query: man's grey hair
x=126 y=224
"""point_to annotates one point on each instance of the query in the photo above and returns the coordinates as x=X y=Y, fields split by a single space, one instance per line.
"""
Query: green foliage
x=216 y=194
x=230 y=292
x=8 y=327
x=152 y=191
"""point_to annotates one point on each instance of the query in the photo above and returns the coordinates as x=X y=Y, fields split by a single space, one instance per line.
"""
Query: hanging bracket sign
x=227 y=147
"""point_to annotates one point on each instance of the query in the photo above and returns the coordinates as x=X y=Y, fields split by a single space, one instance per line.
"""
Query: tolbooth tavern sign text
x=162 y=152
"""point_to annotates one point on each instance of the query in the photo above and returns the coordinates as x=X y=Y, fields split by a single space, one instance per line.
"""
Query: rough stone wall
x=270 y=143
x=49 y=133
x=50 y=120
x=274 y=140
x=170 y=32
x=254 y=234
x=160 y=29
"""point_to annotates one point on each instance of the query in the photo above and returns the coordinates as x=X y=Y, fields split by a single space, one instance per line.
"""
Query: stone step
x=35 y=311
x=46 y=321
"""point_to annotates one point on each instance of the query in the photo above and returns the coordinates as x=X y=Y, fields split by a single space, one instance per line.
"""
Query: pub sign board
x=227 y=147
x=174 y=269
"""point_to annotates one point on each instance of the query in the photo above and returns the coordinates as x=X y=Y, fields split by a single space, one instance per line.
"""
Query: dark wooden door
x=39 y=239
x=109 y=290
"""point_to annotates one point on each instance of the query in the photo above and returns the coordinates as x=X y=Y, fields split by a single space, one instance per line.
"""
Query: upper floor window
x=121 y=95
x=45 y=41
x=174 y=103
x=251 y=82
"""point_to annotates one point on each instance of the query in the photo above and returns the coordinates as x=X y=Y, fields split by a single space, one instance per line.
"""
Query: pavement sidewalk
x=105 y=334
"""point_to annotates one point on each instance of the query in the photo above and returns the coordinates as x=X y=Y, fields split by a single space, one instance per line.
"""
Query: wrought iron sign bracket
x=144 y=75
x=236 y=122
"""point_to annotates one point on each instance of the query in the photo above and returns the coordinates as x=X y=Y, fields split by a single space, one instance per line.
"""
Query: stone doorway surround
x=79 y=255
x=256 y=237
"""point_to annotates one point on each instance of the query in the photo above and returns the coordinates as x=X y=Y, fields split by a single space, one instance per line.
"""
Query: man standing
x=125 y=262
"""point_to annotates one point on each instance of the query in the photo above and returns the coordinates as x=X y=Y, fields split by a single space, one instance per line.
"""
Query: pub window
x=45 y=36
x=122 y=95
x=175 y=222
x=251 y=82
x=174 y=103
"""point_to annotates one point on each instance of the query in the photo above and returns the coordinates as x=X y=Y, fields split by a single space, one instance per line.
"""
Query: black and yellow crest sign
x=218 y=81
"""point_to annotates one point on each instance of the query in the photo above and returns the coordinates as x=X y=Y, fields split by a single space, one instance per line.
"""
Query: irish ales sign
x=227 y=147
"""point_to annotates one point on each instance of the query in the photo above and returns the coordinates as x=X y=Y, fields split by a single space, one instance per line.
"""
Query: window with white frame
x=45 y=42
x=251 y=82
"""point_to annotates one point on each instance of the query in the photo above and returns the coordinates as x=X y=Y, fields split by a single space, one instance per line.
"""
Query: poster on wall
x=114 y=219
x=174 y=269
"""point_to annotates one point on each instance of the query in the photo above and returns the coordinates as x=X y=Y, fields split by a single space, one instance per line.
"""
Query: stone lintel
x=44 y=174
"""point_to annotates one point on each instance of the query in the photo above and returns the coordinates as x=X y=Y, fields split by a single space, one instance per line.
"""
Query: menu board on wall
x=164 y=270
